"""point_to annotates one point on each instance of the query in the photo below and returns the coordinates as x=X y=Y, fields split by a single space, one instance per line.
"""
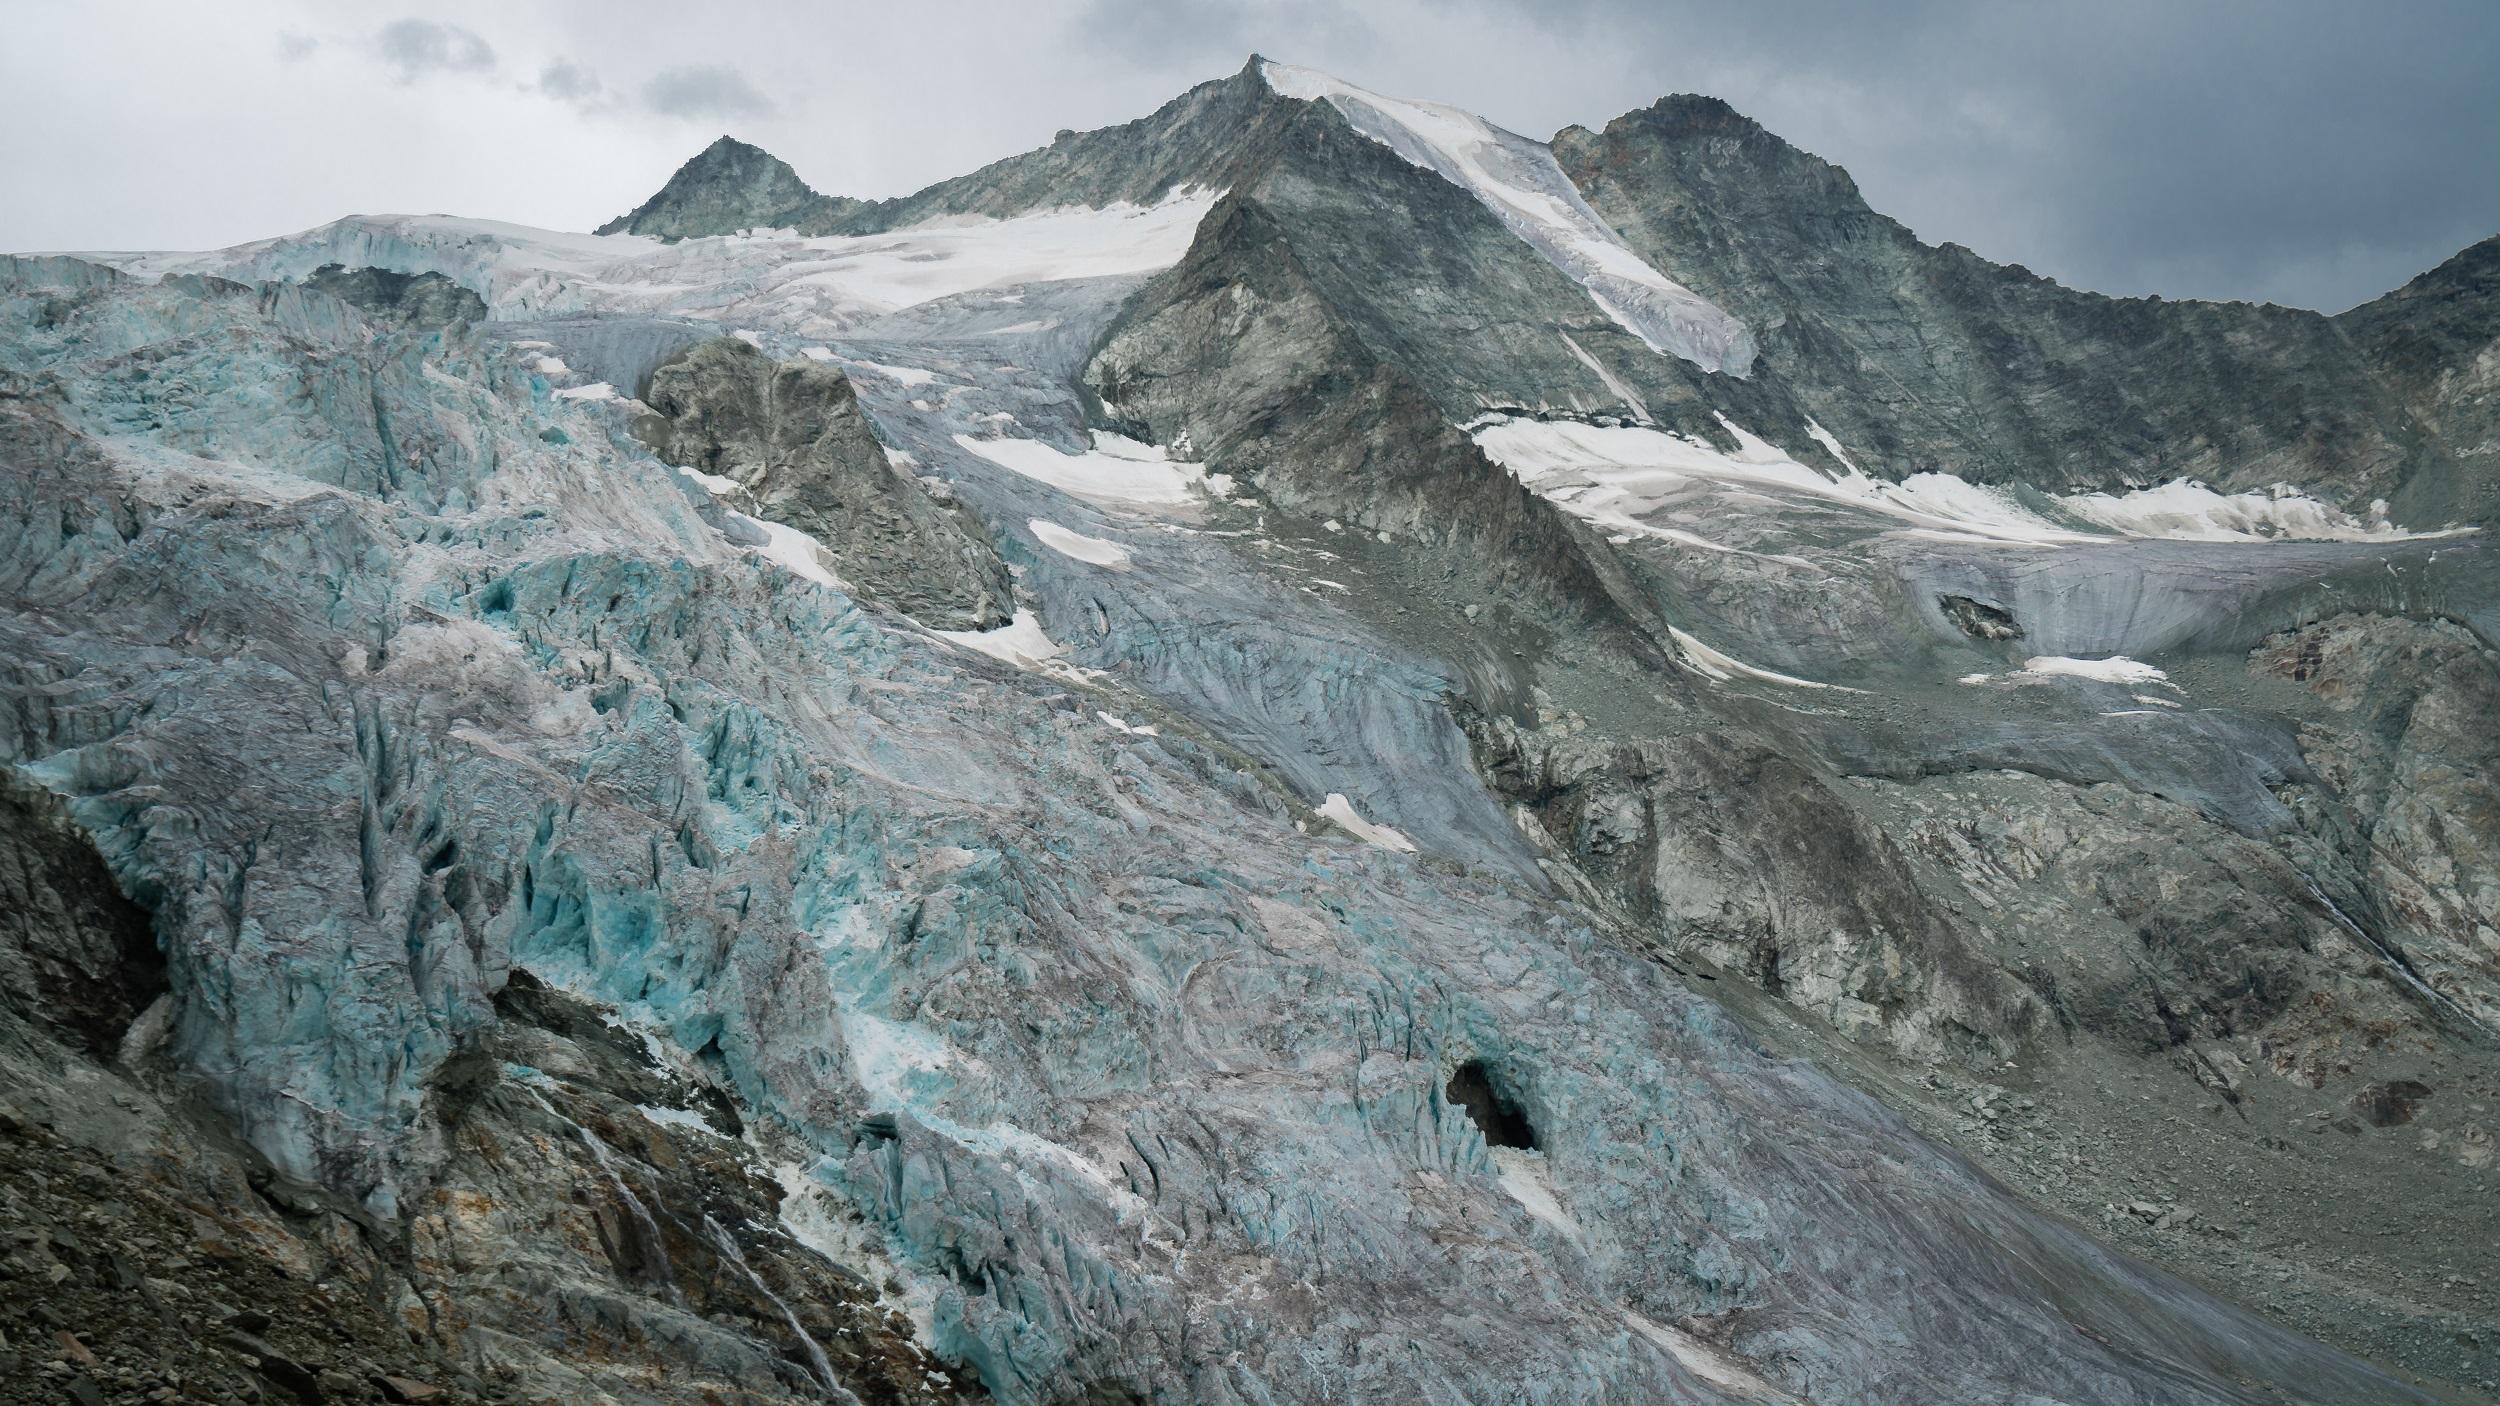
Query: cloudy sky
x=2309 y=153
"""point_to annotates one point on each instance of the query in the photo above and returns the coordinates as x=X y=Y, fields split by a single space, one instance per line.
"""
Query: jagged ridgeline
x=1303 y=750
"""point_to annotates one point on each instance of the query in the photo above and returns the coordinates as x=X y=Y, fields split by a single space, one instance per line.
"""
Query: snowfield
x=810 y=287
x=1116 y=470
x=1622 y=477
x=1077 y=546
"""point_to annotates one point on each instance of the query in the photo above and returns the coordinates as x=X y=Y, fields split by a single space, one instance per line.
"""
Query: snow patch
x=596 y=390
x=795 y=551
x=715 y=484
x=767 y=283
x=1524 y=1176
x=1092 y=550
x=1705 y=1361
x=1341 y=810
x=902 y=375
x=2118 y=668
x=1117 y=469
x=817 y=1218
x=1830 y=445
x=2186 y=510
x=1020 y=642
x=1618 y=476
x=677 y=1118
x=1723 y=667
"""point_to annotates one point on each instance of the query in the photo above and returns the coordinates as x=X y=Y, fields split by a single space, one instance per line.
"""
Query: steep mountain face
x=1311 y=752
x=730 y=186
x=1190 y=141
x=793 y=442
x=2431 y=342
x=1922 y=357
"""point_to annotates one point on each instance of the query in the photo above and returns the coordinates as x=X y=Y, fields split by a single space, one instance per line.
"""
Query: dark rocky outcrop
x=1277 y=350
x=1192 y=140
x=792 y=436
x=399 y=299
x=2435 y=343
x=727 y=187
x=75 y=955
x=1925 y=357
x=1980 y=620
x=1737 y=854
x=2405 y=743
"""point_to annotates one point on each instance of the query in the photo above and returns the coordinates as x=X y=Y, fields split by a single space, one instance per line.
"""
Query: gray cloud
x=294 y=47
x=704 y=91
x=1212 y=35
x=419 y=47
x=567 y=81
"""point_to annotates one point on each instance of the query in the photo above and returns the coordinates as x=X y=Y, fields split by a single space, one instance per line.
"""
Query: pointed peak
x=728 y=186
x=1692 y=112
x=729 y=148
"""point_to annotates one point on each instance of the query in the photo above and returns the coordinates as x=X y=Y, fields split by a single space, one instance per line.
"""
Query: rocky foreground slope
x=1302 y=750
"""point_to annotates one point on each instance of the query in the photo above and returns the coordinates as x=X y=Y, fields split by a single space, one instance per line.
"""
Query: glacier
x=1239 y=977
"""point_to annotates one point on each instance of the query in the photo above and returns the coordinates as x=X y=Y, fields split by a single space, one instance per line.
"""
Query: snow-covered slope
x=1628 y=478
x=1518 y=181
x=809 y=287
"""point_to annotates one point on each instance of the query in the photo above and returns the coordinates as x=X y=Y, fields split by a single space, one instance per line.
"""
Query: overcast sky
x=2310 y=153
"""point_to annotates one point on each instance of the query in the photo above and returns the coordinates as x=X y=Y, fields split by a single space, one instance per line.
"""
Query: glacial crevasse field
x=1300 y=751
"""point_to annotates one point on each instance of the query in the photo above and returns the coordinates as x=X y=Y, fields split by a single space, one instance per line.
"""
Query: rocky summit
x=1304 y=750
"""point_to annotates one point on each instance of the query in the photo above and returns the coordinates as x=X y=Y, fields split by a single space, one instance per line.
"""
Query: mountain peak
x=728 y=186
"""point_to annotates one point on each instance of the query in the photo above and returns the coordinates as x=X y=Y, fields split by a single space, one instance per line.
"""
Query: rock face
x=399 y=299
x=1191 y=141
x=1757 y=865
x=1923 y=357
x=1475 y=859
x=730 y=186
x=2432 y=341
x=792 y=437
x=2407 y=746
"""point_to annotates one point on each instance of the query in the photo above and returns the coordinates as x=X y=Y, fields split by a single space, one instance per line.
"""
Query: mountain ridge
x=1229 y=742
x=2027 y=380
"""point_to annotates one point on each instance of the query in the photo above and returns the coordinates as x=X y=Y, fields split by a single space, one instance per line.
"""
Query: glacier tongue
x=1520 y=182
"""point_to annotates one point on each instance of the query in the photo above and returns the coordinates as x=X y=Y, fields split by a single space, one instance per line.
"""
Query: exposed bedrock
x=399 y=299
x=1235 y=354
x=1925 y=357
x=1735 y=853
x=2406 y=742
x=791 y=435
